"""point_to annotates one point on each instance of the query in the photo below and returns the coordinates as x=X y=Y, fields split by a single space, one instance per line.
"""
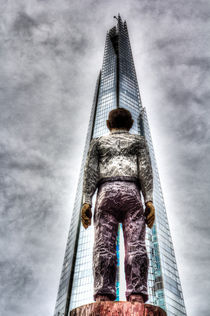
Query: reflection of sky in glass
x=163 y=282
x=106 y=102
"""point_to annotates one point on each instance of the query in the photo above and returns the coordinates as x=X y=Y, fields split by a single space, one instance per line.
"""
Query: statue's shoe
x=102 y=298
x=136 y=298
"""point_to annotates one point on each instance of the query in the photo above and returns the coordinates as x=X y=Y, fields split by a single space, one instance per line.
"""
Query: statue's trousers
x=119 y=202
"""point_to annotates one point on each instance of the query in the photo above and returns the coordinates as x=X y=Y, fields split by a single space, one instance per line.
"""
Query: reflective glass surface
x=105 y=103
x=117 y=86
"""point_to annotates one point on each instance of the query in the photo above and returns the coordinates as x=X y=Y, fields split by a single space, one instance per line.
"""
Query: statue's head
x=119 y=118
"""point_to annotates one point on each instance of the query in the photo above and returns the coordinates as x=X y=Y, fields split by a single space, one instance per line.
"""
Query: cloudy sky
x=50 y=56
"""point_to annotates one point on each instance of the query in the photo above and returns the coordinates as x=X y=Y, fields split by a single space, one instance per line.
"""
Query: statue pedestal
x=117 y=309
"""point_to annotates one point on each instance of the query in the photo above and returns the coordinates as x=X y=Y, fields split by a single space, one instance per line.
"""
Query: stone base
x=117 y=309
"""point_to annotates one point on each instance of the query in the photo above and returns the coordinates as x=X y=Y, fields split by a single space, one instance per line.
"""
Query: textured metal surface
x=119 y=202
x=118 y=154
x=116 y=309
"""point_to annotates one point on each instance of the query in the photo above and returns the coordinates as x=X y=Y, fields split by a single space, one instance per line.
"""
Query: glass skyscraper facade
x=117 y=86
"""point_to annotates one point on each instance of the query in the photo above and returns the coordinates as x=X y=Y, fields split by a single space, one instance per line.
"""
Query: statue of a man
x=119 y=165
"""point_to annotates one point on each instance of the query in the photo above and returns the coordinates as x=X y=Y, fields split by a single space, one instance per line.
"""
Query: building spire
x=118 y=18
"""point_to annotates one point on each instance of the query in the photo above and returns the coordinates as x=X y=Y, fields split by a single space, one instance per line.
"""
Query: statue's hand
x=150 y=214
x=86 y=215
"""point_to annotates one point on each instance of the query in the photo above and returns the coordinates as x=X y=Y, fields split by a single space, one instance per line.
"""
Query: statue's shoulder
x=103 y=138
x=139 y=139
x=96 y=141
x=93 y=143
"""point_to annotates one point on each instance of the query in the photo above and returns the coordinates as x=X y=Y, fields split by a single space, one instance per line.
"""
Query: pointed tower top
x=118 y=18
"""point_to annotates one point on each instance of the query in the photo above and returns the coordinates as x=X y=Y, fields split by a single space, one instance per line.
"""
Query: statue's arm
x=145 y=171
x=91 y=172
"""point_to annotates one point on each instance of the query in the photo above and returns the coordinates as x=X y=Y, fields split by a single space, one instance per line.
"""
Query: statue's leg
x=104 y=252
x=136 y=259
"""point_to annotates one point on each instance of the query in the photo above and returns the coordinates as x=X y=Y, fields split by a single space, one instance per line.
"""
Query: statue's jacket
x=119 y=155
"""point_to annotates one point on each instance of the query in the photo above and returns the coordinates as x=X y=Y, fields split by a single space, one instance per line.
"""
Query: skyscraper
x=117 y=86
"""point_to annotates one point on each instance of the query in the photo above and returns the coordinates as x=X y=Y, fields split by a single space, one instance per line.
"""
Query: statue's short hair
x=120 y=118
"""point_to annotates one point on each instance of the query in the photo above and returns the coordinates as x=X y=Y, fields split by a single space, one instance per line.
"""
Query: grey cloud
x=23 y=166
x=51 y=53
x=16 y=280
x=178 y=10
x=24 y=24
x=203 y=63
